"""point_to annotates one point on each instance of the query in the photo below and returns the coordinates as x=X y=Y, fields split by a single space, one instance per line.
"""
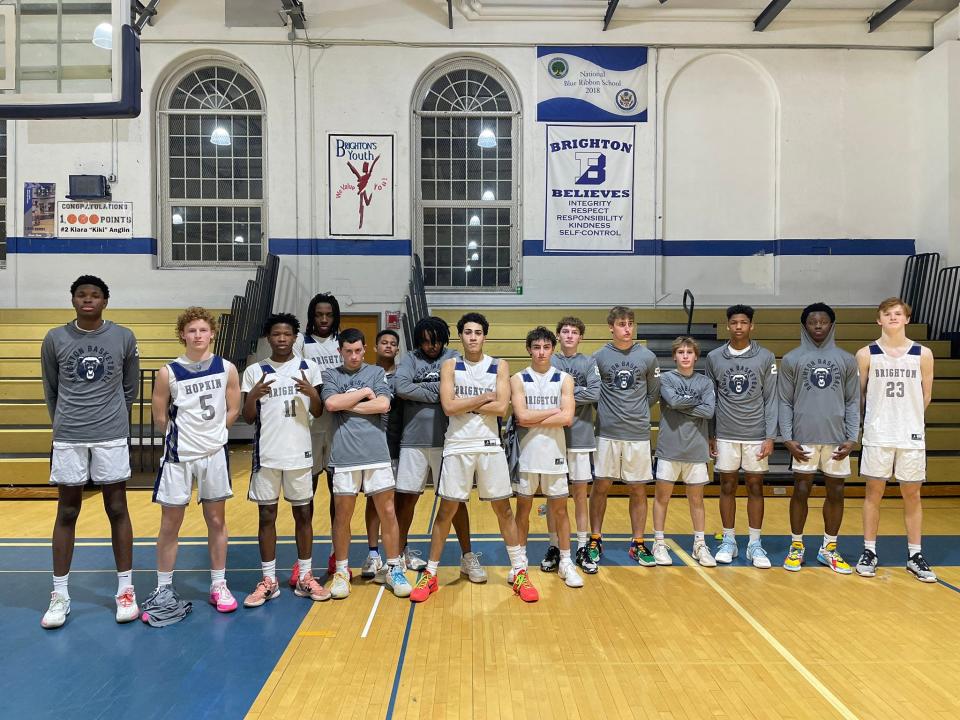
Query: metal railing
x=240 y=328
x=689 y=310
x=918 y=285
x=415 y=302
x=144 y=442
x=945 y=303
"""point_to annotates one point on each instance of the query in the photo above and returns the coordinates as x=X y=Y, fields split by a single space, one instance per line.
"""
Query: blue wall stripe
x=531 y=248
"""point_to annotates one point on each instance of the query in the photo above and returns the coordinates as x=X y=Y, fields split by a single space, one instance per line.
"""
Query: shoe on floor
x=266 y=589
x=585 y=563
x=794 y=560
x=661 y=555
x=867 y=564
x=127 y=609
x=727 y=551
x=918 y=567
x=426 y=586
x=758 y=556
x=309 y=587
x=524 y=588
x=371 y=565
x=221 y=597
x=397 y=581
x=471 y=568
x=551 y=559
x=701 y=553
x=568 y=573
x=56 y=614
x=830 y=557
x=340 y=587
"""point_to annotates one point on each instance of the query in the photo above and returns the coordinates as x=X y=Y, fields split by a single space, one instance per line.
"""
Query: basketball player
x=630 y=385
x=543 y=406
x=319 y=343
x=280 y=395
x=421 y=444
x=744 y=429
x=357 y=395
x=581 y=442
x=819 y=392
x=475 y=395
x=896 y=382
x=91 y=370
x=687 y=403
x=196 y=398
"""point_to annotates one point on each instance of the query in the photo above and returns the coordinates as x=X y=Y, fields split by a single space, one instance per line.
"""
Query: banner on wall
x=85 y=220
x=39 y=206
x=591 y=84
x=361 y=184
x=589 y=197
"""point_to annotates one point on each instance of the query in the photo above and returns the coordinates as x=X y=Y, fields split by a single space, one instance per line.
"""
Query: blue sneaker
x=727 y=550
x=397 y=581
x=758 y=556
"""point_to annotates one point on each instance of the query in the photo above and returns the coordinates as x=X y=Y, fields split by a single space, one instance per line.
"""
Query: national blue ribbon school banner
x=592 y=84
x=589 y=197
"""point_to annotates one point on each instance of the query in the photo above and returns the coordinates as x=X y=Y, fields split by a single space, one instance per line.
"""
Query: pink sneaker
x=309 y=587
x=222 y=598
x=267 y=589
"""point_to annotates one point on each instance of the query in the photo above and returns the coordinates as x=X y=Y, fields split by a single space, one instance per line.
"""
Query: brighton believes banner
x=589 y=188
x=591 y=84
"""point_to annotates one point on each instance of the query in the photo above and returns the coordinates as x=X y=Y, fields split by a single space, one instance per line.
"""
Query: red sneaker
x=295 y=575
x=425 y=587
x=524 y=588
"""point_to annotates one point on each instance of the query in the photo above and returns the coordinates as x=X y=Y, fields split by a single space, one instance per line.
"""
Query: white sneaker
x=470 y=566
x=381 y=576
x=371 y=565
x=568 y=572
x=398 y=582
x=727 y=551
x=127 y=609
x=412 y=560
x=701 y=553
x=758 y=556
x=56 y=614
x=340 y=587
x=661 y=554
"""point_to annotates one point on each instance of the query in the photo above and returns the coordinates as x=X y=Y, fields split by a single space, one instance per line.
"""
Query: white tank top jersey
x=472 y=431
x=542 y=449
x=324 y=351
x=197 y=415
x=281 y=438
x=894 y=403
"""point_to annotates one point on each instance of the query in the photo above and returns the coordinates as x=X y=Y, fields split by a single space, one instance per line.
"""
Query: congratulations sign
x=592 y=84
x=589 y=188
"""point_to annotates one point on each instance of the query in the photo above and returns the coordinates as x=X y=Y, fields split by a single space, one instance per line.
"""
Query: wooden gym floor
x=679 y=642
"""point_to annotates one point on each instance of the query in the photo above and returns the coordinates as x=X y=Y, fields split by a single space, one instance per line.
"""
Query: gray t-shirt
x=746 y=393
x=90 y=380
x=417 y=383
x=686 y=406
x=359 y=441
x=586 y=392
x=630 y=384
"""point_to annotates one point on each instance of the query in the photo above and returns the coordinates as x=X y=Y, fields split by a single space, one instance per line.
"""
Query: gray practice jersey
x=586 y=392
x=746 y=393
x=686 y=406
x=359 y=441
x=630 y=384
x=90 y=380
x=819 y=389
x=392 y=421
x=417 y=383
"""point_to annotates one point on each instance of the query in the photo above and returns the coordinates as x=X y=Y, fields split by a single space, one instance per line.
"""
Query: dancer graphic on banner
x=362 y=180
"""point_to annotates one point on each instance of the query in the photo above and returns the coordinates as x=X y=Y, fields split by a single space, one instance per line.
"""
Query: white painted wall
x=743 y=142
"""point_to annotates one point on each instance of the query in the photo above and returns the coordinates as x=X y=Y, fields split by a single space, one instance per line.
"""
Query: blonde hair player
x=196 y=399
x=896 y=382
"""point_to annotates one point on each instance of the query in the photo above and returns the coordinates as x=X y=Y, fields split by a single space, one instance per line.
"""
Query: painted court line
x=824 y=691
x=373 y=611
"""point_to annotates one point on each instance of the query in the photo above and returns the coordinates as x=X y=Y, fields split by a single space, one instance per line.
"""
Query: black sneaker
x=917 y=566
x=551 y=561
x=867 y=564
x=584 y=561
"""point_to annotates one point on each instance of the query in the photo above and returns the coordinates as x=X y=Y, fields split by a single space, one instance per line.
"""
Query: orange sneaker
x=425 y=587
x=524 y=588
x=295 y=574
x=307 y=586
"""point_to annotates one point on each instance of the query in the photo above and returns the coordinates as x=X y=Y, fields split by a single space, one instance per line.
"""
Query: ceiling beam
x=769 y=14
x=611 y=9
x=881 y=16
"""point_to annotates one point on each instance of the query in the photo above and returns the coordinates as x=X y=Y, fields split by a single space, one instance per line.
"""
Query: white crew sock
x=516 y=555
x=827 y=539
x=305 y=565
x=754 y=534
x=729 y=533
x=433 y=566
x=343 y=566
x=698 y=537
x=269 y=569
x=60 y=585
x=797 y=538
x=912 y=550
x=164 y=579
x=658 y=535
x=582 y=539
x=124 y=580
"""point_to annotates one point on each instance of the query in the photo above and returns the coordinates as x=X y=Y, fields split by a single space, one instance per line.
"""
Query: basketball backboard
x=68 y=59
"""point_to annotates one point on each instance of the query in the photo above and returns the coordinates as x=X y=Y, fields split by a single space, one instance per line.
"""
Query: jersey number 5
x=209 y=411
x=895 y=389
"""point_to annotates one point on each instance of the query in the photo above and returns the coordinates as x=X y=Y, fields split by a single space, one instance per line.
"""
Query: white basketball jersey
x=472 y=431
x=542 y=449
x=281 y=439
x=894 y=403
x=197 y=415
x=325 y=352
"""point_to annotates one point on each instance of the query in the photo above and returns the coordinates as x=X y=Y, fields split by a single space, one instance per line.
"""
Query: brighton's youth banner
x=592 y=84
x=361 y=184
x=589 y=194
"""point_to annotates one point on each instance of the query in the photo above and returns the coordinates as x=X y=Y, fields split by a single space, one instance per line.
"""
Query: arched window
x=466 y=130
x=211 y=140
